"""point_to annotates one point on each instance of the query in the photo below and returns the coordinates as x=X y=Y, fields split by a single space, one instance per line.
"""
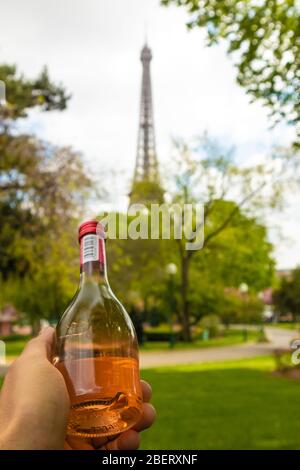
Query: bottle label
x=90 y=248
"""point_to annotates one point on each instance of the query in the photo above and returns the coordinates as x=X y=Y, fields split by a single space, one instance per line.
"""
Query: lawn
x=15 y=346
x=229 y=405
x=230 y=337
x=285 y=326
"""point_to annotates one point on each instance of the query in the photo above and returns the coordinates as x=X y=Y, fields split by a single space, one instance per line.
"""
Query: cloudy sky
x=93 y=48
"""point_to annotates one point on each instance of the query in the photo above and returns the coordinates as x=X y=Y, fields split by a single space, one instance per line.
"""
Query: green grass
x=285 y=326
x=229 y=405
x=231 y=337
x=15 y=346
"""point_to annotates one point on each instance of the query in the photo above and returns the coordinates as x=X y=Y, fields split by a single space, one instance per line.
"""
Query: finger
x=146 y=390
x=128 y=440
x=79 y=444
x=42 y=345
x=147 y=419
x=98 y=442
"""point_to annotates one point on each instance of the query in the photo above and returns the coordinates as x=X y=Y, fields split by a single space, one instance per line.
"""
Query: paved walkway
x=278 y=338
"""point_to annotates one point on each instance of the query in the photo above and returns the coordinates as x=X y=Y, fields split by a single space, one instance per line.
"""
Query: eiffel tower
x=146 y=182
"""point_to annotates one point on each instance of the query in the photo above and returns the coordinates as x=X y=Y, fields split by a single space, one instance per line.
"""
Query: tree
x=236 y=248
x=263 y=38
x=146 y=192
x=241 y=253
x=43 y=190
x=39 y=266
x=287 y=297
x=137 y=267
x=24 y=94
x=230 y=195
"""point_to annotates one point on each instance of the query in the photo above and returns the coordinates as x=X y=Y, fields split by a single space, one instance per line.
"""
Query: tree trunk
x=184 y=298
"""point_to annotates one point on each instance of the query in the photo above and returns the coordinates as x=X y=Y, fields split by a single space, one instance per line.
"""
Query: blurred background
x=178 y=101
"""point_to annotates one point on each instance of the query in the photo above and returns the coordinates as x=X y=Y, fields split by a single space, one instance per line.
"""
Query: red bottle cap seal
x=91 y=226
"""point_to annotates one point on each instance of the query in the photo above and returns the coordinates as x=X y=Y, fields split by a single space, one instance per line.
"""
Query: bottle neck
x=92 y=258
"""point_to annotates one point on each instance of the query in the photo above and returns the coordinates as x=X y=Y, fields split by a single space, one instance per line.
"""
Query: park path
x=278 y=338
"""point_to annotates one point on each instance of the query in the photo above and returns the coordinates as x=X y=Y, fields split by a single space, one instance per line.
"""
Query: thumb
x=42 y=345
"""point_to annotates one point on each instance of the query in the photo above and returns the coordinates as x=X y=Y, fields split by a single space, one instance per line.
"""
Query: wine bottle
x=97 y=351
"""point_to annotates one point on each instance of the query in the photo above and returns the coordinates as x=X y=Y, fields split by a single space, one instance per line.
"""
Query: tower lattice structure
x=146 y=167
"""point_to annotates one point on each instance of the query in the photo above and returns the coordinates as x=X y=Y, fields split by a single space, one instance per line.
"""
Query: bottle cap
x=91 y=226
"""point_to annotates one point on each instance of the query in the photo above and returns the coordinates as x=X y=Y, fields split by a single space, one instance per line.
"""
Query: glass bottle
x=97 y=350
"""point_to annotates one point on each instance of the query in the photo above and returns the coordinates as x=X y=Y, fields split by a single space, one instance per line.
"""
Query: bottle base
x=103 y=417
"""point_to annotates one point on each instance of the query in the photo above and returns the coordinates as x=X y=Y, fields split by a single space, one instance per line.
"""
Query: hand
x=34 y=405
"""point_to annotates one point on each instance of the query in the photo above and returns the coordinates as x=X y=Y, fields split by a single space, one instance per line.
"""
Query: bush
x=212 y=324
x=283 y=359
x=162 y=335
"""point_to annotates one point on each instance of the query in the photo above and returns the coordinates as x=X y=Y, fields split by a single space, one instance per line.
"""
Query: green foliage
x=236 y=248
x=146 y=192
x=230 y=196
x=23 y=94
x=251 y=311
x=240 y=253
x=39 y=197
x=287 y=296
x=283 y=360
x=212 y=324
x=263 y=38
x=48 y=285
x=137 y=270
x=137 y=267
x=42 y=194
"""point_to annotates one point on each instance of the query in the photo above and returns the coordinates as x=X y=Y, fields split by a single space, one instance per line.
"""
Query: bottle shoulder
x=95 y=308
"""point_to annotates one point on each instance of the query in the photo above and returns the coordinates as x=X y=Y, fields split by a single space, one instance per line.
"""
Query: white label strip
x=90 y=248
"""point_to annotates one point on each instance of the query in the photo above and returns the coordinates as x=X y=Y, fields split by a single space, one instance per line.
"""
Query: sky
x=93 y=48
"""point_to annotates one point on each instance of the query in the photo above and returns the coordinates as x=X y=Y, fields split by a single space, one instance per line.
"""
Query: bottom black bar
x=137 y=459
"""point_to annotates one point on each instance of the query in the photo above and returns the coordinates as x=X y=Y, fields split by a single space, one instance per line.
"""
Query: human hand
x=34 y=405
x=34 y=401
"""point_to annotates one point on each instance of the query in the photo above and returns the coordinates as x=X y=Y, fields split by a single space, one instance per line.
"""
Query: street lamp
x=262 y=335
x=244 y=288
x=171 y=270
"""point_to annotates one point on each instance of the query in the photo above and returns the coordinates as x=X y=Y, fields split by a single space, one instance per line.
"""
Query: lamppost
x=244 y=290
x=262 y=335
x=171 y=270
